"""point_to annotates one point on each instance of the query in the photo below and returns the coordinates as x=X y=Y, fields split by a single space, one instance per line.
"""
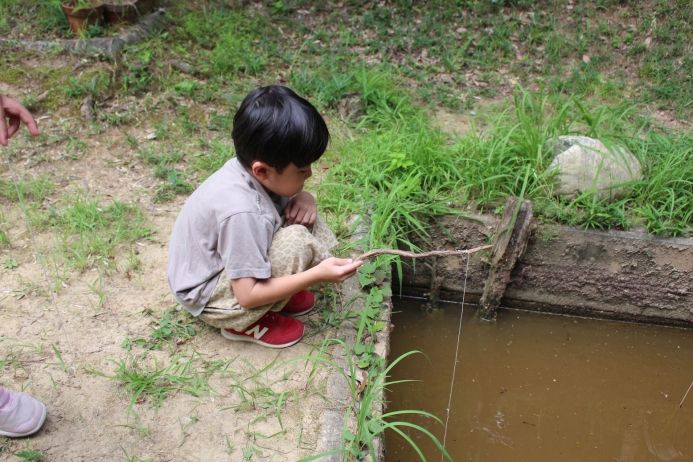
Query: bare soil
x=62 y=341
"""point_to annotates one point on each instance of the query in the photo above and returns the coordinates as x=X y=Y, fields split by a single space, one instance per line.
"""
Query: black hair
x=276 y=126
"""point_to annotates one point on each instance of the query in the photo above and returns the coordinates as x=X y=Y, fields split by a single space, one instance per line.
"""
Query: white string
x=457 y=350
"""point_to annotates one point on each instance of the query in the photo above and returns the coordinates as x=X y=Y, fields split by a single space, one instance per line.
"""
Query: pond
x=537 y=387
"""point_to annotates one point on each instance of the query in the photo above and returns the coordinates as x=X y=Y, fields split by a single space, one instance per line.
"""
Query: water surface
x=535 y=387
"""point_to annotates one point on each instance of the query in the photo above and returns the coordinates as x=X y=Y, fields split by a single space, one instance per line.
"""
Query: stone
x=586 y=164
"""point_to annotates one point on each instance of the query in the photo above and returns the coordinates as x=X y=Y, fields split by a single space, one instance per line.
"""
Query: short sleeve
x=244 y=242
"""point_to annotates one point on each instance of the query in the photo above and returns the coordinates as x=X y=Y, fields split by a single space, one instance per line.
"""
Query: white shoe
x=22 y=415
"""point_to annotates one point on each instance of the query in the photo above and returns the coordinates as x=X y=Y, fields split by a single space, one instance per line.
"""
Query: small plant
x=156 y=381
x=163 y=164
x=370 y=426
x=175 y=327
x=9 y=263
x=90 y=232
x=30 y=455
x=34 y=190
x=92 y=83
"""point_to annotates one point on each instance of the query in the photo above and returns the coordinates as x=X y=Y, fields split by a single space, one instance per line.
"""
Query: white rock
x=586 y=164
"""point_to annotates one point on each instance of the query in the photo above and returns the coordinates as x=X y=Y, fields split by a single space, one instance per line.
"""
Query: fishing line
x=457 y=350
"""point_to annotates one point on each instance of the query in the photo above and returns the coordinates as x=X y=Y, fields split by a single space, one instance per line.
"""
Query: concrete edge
x=340 y=412
x=619 y=275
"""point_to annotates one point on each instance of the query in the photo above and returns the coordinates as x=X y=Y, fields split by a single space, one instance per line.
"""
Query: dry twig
x=432 y=253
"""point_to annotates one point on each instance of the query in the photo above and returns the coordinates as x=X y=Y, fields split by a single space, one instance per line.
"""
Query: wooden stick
x=432 y=253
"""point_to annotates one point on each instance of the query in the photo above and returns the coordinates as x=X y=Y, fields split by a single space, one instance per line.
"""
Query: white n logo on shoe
x=257 y=332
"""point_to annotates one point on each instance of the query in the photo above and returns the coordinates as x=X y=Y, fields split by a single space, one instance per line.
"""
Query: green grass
x=174 y=328
x=164 y=168
x=86 y=232
x=18 y=353
x=416 y=172
x=89 y=233
x=154 y=381
x=30 y=455
x=30 y=190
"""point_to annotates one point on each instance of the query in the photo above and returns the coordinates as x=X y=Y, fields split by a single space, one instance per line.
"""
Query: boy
x=231 y=262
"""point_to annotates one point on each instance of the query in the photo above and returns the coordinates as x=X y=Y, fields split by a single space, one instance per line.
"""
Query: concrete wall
x=616 y=275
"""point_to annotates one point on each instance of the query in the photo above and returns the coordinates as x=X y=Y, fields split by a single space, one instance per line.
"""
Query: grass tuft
x=89 y=233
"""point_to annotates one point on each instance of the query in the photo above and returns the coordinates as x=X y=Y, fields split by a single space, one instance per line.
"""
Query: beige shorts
x=294 y=249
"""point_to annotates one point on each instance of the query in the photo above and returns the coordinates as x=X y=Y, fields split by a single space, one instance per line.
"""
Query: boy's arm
x=252 y=293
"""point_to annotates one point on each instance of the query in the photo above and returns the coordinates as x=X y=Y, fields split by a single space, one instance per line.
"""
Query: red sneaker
x=272 y=330
x=300 y=303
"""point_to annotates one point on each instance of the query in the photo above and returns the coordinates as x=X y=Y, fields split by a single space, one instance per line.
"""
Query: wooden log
x=109 y=47
x=511 y=241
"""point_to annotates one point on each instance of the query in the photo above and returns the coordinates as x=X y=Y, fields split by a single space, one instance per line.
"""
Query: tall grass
x=402 y=171
x=664 y=199
x=397 y=168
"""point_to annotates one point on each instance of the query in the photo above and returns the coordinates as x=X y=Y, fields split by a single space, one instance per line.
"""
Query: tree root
x=109 y=47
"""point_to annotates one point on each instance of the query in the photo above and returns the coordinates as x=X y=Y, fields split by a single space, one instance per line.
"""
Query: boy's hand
x=337 y=269
x=302 y=210
x=16 y=113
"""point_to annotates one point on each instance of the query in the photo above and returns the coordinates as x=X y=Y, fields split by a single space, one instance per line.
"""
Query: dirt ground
x=64 y=344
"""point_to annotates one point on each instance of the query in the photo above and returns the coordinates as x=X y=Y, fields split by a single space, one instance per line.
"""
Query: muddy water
x=544 y=388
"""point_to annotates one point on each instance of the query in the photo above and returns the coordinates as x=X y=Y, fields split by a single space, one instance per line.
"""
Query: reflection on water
x=538 y=388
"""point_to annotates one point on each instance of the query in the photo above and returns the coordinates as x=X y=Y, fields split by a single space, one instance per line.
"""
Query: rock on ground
x=586 y=164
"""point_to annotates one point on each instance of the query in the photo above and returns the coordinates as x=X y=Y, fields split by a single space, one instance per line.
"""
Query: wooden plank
x=512 y=235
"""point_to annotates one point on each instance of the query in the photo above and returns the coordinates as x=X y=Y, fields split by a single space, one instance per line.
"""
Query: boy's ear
x=260 y=170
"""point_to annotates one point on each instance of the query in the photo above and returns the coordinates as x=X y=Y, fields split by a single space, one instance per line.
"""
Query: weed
x=138 y=75
x=9 y=262
x=241 y=46
x=59 y=357
x=175 y=327
x=28 y=191
x=131 y=458
x=361 y=441
x=93 y=83
x=370 y=426
x=97 y=287
x=163 y=169
x=16 y=353
x=665 y=197
x=30 y=455
x=74 y=148
x=230 y=448
x=89 y=232
x=4 y=236
x=215 y=156
x=157 y=381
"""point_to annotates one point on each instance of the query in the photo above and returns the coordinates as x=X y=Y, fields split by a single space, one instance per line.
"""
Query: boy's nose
x=309 y=172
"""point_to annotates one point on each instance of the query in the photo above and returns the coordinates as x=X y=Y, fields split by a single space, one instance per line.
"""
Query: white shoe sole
x=301 y=313
x=245 y=338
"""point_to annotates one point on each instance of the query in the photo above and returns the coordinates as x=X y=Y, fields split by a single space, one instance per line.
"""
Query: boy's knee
x=292 y=234
x=291 y=248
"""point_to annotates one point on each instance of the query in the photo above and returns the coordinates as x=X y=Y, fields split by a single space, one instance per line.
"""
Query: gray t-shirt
x=227 y=224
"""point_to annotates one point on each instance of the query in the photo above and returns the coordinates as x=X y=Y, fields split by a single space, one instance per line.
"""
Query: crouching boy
x=248 y=244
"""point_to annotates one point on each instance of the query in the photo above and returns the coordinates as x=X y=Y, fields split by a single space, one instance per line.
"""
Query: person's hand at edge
x=12 y=115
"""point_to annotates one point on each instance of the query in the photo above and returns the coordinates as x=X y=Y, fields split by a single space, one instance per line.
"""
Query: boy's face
x=287 y=183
